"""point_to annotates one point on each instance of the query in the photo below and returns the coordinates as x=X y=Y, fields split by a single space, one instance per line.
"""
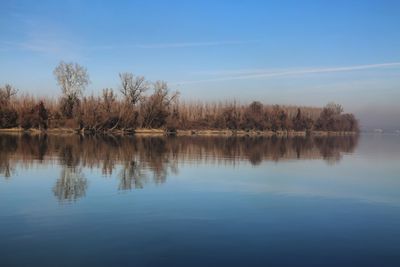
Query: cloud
x=42 y=46
x=192 y=44
x=256 y=74
x=166 y=45
x=41 y=36
x=56 y=45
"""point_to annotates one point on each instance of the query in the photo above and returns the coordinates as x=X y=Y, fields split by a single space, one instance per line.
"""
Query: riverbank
x=160 y=132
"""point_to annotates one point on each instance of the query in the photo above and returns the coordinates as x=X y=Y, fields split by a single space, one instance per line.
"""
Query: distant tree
x=284 y=120
x=69 y=106
x=279 y=119
x=34 y=117
x=157 y=107
x=332 y=119
x=72 y=79
x=42 y=114
x=172 y=123
x=110 y=111
x=334 y=108
x=8 y=117
x=133 y=87
x=230 y=118
x=300 y=122
x=348 y=123
x=8 y=114
x=6 y=93
x=91 y=113
x=108 y=99
x=254 y=116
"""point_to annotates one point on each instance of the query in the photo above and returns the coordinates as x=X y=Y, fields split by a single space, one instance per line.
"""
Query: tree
x=230 y=118
x=279 y=119
x=157 y=107
x=8 y=114
x=334 y=109
x=133 y=87
x=300 y=122
x=108 y=98
x=42 y=115
x=73 y=79
x=332 y=119
x=254 y=116
x=91 y=113
x=348 y=123
x=6 y=93
x=8 y=117
x=34 y=116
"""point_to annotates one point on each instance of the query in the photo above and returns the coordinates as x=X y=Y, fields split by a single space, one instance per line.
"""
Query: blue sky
x=287 y=52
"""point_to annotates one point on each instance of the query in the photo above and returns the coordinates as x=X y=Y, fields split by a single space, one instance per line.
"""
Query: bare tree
x=335 y=109
x=162 y=90
x=133 y=87
x=72 y=78
x=157 y=107
x=108 y=98
x=6 y=93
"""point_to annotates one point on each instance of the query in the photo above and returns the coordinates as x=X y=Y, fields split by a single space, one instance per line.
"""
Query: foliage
x=8 y=114
x=34 y=117
x=72 y=78
x=136 y=108
x=332 y=119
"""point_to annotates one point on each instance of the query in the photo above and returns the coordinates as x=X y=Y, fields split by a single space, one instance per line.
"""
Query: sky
x=277 y=52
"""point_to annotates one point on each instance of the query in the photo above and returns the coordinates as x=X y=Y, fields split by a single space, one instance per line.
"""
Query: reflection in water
x=138 y=160
x=71 y=185
x=8 y=146
x=131 y=176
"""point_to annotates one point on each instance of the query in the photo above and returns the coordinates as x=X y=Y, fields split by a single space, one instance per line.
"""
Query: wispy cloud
x=41 y=46
x=257 y=74
x=193 y=44
x=41 y=36
x=166 y=45
x=53 y=46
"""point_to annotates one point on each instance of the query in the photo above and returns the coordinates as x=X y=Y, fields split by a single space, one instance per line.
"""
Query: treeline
x=143 y=104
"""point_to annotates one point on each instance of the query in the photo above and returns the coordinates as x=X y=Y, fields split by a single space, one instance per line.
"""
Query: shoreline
x=162 y=132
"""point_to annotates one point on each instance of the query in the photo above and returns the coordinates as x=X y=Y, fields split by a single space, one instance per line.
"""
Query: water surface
x=199 y=201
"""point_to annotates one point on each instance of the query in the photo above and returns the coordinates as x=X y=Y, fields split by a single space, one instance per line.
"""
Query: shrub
x=34 y=117
x=8 y=117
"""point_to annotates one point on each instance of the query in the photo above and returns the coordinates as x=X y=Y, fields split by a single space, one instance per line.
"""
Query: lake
x=199 y=201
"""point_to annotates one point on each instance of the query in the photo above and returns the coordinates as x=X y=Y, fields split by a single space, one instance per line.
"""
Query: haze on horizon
x=277 y=52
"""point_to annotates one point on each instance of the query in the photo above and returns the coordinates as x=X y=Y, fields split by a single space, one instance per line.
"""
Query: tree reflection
x=139 y=160
x=71 y=185
x=8 y=146
x=131 y=176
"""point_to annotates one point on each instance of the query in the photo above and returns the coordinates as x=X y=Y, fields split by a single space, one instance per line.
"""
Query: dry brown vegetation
x=143 y=104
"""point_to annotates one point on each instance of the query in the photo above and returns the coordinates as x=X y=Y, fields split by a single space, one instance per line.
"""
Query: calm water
x=199 y=201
